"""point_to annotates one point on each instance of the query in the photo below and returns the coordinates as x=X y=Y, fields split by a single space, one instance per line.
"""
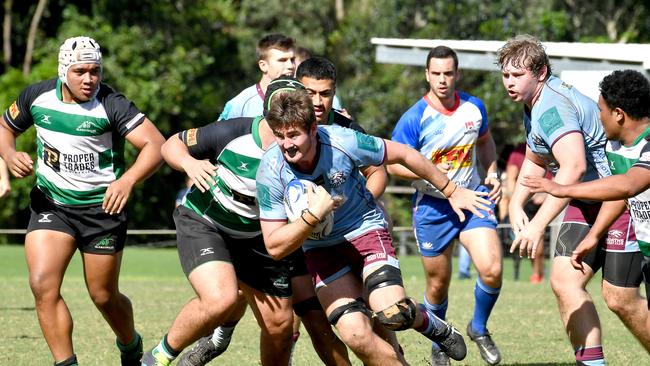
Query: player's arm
x=148 y=140
x=615 y=187
x=282 y=238
x=376 y=179
x=570 y=154
x=607 y=214
x=487 y=156
x=20 y=164
x=177 y=155
x=459 y=198
x=5 y=185
x=519 y=195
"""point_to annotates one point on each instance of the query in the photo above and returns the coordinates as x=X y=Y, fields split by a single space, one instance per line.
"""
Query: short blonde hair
x=524 y=51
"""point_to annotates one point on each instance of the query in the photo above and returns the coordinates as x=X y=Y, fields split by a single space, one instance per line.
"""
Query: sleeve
x=517 y=156
x=364 y=149
x=644 y=158
x=18 y=115
x=203 y=142
x=122 y=113
x=270 y=192
x=225 y=114
x=407 y=130
x=558 y=120
x=484 y=118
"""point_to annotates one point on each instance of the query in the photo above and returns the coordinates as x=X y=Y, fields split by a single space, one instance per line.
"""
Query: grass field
x=525 y=322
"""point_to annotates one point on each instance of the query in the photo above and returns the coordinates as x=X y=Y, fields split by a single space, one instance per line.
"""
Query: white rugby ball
x=296 y=200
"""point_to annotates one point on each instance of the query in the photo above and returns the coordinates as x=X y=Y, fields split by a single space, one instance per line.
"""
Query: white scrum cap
x=77 y=50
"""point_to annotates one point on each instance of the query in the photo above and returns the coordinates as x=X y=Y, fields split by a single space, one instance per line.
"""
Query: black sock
x=172 y=352
x=70 y=361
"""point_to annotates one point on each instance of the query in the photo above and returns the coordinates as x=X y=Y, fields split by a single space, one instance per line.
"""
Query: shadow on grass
x=21 y=308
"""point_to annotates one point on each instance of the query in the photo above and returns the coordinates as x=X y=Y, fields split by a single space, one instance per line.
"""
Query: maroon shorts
x=372 y=249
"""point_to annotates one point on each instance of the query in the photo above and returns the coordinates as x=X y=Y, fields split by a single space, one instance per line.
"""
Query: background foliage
x=181 y=60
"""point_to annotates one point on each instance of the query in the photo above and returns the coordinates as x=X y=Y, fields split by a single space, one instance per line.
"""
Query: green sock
x=134 y=348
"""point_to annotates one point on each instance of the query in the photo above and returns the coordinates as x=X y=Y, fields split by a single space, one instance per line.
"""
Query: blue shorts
x=436 y=224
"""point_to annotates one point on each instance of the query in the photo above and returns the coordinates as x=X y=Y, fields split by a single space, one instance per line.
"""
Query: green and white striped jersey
x=235 y=147
x=621 y=159
x=80 y=146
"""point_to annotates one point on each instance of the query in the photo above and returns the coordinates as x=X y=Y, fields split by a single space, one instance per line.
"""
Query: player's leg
x=386 y=296
x=484 y=247
x=576 y=306
x=48 y=254
x=622 y=276
x=101 y=241
x=328 y=346
x=206 y=260
x=275 y=317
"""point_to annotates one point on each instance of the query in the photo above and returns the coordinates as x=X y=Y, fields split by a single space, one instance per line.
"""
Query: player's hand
x=443 y=167
x=539 y=184
x=465 y=199
x=201 y=172
x=518 y=219
x=117 y=195
x=320 y=201
x=586 y=245
x=528 y=239
x=495 y=192
x=5 y=187
x=20 y=164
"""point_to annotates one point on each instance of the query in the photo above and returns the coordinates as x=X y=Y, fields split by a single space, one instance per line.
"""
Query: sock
x=431 y=326
x=440 y=310
x=226 y=332
x=135 y=347
x=485 y=298
x=165 y=350
x=70 y=361
x=590 y=356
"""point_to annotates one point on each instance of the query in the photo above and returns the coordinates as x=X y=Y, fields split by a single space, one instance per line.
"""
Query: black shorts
x=200 y=242
x=622 y=269
x=297 y=263
x=94 y=230
x=645 y=268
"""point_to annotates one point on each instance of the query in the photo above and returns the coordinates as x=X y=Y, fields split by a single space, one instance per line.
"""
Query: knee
x=356 y=332
x=621 y=303
x=492 y=275
x=43 y=288
x=399 y=316
x=279 y=325
x=215 y=304
x=102 y=297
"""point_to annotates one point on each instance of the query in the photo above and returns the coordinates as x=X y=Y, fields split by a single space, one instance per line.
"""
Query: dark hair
x=318 y=68
x=303 y=53
x=442 y=52
x=275 y=40
x=628 y=90
x=282 y=83
x=291 y=108
x=526 y=52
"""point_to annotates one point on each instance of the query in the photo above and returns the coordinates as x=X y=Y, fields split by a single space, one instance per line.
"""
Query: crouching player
x=354 y=268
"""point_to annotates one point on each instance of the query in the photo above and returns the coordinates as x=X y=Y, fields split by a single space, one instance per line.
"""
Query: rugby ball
x=296 y=199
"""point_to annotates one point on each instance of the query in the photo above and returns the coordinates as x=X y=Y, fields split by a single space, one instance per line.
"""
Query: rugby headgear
x=78 y=50
x=283 y=83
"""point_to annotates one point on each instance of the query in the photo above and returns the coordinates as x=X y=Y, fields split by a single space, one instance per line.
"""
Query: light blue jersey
x=561 y=109
x=341 y=152
x=248 y=103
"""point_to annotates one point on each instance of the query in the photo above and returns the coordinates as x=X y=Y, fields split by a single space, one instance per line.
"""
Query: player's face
x=298 y=146
x=610 y=119
x=278 y=63
x=520 y=83
x=83 y=81
x=322 y=96
x=442 y=75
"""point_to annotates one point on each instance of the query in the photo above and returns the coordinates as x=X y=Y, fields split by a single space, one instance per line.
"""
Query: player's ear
x=263 y=65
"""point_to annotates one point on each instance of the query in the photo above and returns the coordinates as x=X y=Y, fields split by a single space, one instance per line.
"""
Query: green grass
x=525 y=322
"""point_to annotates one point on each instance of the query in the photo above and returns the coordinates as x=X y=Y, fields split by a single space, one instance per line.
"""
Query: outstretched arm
x=148 y=140
x=459 y=198
x=487 y=155
x=5 y=185
x=177 y=155
x=19 y=163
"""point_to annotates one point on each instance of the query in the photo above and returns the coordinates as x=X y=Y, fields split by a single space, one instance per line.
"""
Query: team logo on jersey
x=106 y=244
x=13 y=110
x=46 y=120
x=243 y=166
x=611 y=165
x=190 y=137
x=206 y=251
x=336 y=179
x=470 y=127
x=550 y=121
x=87 y=126
x=365 y=142
x=45 y=217
x=615 y=238
x=51 y=157
x=457 y=156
